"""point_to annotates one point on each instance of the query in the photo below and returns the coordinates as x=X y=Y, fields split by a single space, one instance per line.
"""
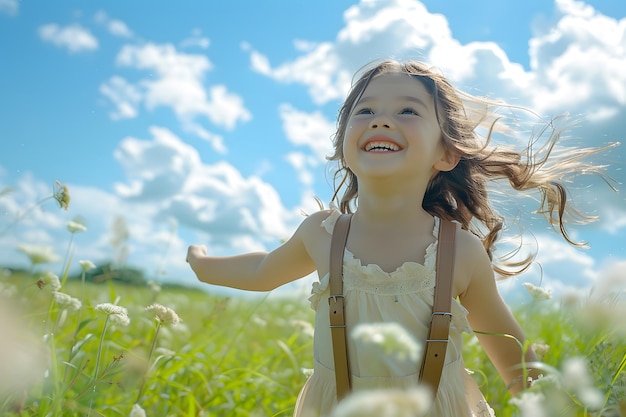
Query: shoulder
x=472 y=263
x=313 y=223
x=313 y=235
x=467 y=243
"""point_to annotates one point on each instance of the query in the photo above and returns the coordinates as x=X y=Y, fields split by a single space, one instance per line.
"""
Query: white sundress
x=404 y=296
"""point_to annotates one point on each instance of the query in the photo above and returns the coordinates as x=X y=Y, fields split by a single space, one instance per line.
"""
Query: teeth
x=381 y=147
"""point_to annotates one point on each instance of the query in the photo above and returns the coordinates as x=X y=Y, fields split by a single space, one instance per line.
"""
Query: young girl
x=409 y=155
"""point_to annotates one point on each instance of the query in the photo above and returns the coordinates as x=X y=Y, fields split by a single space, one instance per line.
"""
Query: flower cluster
x=86 y=265
x=164 y=315
x=538 y=293
x=74 y=226
x=67 y=301
x=413 y=402
x=49 y=279
x=62 y=195
x=116 y=313
x=387 y=340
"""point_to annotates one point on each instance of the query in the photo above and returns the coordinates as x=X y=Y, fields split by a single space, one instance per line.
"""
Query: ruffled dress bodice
x=372 y=295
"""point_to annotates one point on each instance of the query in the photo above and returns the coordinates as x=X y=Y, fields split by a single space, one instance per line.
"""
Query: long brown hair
x=461 y=194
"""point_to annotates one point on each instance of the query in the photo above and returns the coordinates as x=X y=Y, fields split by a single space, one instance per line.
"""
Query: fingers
x=195 y=251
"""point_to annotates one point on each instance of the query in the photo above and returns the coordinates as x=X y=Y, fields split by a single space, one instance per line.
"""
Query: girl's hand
x=195 y=252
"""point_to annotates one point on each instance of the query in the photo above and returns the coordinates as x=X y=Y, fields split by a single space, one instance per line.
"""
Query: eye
x=409 y=111
x=365 y=110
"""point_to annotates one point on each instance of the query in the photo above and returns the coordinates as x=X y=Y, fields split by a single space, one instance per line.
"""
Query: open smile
x=381 y=144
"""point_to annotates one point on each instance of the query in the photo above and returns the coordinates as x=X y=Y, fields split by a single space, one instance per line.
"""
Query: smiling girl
x=410 y=158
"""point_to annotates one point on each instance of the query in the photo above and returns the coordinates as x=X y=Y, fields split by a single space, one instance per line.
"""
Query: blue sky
x=208 y=122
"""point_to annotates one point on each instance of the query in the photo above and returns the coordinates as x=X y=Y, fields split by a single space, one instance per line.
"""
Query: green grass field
x=244 y=356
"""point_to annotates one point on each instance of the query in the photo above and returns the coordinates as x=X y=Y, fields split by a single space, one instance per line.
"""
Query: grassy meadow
x=232 y=356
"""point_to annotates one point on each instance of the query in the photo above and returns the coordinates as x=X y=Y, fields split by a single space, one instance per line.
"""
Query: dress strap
x=437 y=342
x=336 y=306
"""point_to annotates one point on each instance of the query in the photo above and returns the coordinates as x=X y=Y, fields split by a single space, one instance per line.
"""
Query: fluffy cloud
x=169 y=175
x=177 y=81
x=74 y=38
x=579 y=62
x=312 y=130
x=124 y=96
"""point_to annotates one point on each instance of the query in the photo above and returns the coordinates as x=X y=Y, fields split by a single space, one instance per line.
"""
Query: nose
x=381 y=121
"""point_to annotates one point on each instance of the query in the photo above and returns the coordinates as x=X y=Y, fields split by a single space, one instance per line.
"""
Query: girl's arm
x=258 y=271
x=488 y=313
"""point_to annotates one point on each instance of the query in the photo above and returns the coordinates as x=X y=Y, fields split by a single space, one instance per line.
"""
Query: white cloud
x=614 y=217
x=124 y=96
x=9 y=7
x=177 y=82
x=399 y=29
x=611 y=280
x=561 y=77
x=74 y=38
x=312 y=130
x=157 y=168
x=114 y=26
x=168 y=174
x=302 y=164
x=579 y=63
x=216 y=141
x=563 y=267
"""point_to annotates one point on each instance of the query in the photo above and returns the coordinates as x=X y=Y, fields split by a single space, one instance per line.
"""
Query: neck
x=391 y=204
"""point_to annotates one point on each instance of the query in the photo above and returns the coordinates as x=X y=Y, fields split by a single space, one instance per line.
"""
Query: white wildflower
x=67 y=301
x=307 y=372
x=39 y=254
x=305 y=326
x=137 y=411
x=413 y=402
x=540 y=349
x=388 y=343
x=49 y=279
x=575 y=373
x=538 y=293
x=164 y=315
x=86 y=265
x=62 y=195
x=577 y=379
x=591 y=397
x=116 y=313
x=74 y=226
x=531 y=404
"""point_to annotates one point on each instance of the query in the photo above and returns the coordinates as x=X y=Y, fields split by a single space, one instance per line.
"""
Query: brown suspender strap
x=336 y=307
x=437 y=342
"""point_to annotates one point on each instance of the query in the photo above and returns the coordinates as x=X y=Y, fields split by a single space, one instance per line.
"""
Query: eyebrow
x=405 y=98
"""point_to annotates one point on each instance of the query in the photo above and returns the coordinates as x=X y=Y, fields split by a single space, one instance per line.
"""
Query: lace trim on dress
x=409 y=278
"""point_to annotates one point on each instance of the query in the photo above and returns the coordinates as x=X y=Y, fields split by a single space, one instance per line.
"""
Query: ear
x=447 y=161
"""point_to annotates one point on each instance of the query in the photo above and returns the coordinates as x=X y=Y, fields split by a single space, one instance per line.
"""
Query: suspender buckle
x=335 y=297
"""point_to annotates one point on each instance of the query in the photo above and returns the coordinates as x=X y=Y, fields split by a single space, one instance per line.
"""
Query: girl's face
x=393 y=131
